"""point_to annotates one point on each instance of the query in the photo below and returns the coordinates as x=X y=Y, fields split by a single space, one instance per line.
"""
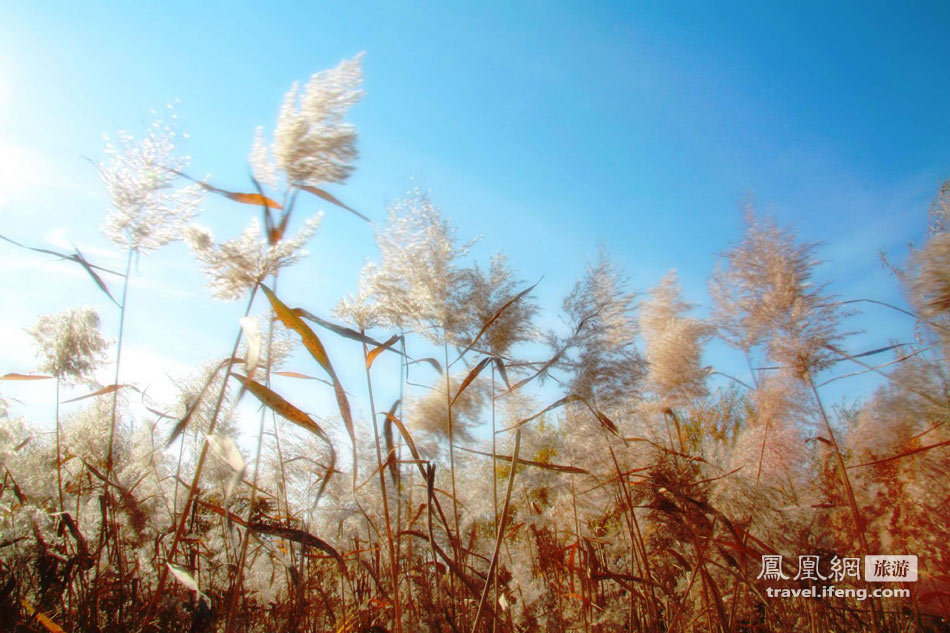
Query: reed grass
x=639 y=495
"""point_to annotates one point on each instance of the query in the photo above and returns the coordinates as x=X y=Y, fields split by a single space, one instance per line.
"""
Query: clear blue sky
x=547 y=127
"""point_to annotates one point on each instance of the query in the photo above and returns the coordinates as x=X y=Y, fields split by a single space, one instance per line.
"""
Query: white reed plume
x=148 y=210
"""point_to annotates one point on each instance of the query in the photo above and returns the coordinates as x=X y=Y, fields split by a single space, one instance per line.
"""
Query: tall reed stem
x=393 y=561
x=494 y=485
x=448 y=410
x=843 y=472
x=238 y=578
x=59 y=451
x=118 y=359
x=193 y=489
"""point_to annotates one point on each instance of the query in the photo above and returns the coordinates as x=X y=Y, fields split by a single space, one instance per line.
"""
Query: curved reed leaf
x=285 y=409
x=472 y=375
x=497 y=314
x=297 y=374
x=252 y=332
x=98 y=392
x=313 y=344
x=431 y=361
x=183 y=423
x=320 y=193
x=79 y=259
x=375 y=352
x=15 y=376
x=282 y=407
x=558 y=468
x=388 y=438
x=500 y=536
x=187 y=580
x=255 y=199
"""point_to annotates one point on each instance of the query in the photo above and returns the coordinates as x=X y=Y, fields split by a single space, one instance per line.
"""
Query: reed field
x=487 y=471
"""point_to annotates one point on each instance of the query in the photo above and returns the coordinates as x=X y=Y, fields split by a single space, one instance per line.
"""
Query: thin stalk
x=118 y=359
x=181 y=453
x=283 y=473
x=842 y=469
x=843 y=472
x=500 y=532
x=636 y=536
x=456 y=546
x=494 y=485
x=448 y=408
x=755 y=376
x=765 y=436
x=238 y=579
x=193 y=489
x=577 y=535
x=393 y=561
x=403 y=378
x=59 y=451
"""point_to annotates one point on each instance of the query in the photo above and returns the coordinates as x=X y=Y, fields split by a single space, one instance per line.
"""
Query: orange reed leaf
x=98 y=392
x=15 y=376
x=374 y=353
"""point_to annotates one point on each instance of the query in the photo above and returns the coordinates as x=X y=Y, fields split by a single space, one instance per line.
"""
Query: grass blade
x=375 y=352
x=255 y=199
x=499 y=537
x=313 y=344
x=497 y=314
x=291 y=413
x=472 y=375
x=558 y=468
x=98 y=392
x=320 y=193
x=15 y=376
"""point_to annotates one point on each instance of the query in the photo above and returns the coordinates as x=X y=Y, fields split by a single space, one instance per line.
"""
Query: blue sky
x=548 y=128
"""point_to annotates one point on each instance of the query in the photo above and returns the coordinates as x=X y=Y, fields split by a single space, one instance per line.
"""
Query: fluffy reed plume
x=899 y=436
x=312 y=144
x=772 y=447
x=932 y=281
x=429 y=416
x=69 y=345
x=601 y=354
x=489 y=297
x=764 y=294
x=361 y=309
x=263 y=167
x=84 y=432
x=235 y=267
x=929 y=278
x=674 y=346
x=148 y=211
x=940 y=210
x=71 y=348
x=420 y=283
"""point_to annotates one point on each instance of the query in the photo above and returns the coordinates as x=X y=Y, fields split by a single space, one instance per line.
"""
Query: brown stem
x=393 y=561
